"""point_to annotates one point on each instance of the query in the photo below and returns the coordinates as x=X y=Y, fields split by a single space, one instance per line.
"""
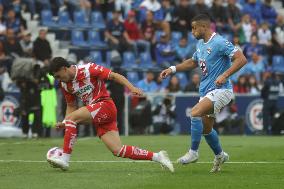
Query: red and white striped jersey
x=88 y=84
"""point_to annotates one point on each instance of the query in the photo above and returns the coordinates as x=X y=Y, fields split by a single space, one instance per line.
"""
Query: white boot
x=190 y=157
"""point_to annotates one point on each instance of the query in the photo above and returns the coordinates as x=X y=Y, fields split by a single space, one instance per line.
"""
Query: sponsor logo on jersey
x=8 y=106
x=254 y=115
x=84 y=90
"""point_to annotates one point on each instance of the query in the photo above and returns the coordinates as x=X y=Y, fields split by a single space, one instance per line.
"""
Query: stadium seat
x=132 y=77
x=145 y=61
x=80 y=19
x=46 y=18
x=182 y=79
x=96 y=57
x=108 y=59
x=64 y=19
x=142 y=15
x=77 y=39
x=135 y=4
x=128 y=61
x=278 y=64
x=109 y=16
x=165 y=82
x=175 y=37
x=97 y=20
x=95 y=40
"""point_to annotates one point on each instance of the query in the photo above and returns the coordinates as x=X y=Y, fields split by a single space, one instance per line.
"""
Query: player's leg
x=204 y=107
x=221 y=98
x=82 y=115
x=112 y=140
x=211 y=135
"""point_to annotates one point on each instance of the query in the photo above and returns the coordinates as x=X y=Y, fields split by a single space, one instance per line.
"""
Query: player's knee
x=206 y=130
x=195 y=112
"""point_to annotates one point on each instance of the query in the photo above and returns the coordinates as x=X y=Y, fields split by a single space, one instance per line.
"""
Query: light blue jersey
x=213 y=58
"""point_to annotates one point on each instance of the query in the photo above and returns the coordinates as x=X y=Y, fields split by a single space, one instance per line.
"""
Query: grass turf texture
x=30 y=175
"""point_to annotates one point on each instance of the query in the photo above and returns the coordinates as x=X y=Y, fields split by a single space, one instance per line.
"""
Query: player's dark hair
x=201 y=17
x=57 y=63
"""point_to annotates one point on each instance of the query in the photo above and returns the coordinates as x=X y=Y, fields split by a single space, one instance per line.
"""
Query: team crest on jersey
x=209 y=50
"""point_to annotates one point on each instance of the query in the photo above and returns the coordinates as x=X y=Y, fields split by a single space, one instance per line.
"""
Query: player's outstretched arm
x=239 y=60
x=123 y=81
x=185 y=65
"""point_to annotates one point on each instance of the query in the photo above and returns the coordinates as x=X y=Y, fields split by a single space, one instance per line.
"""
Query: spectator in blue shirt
x=13 y=22
x=268 y=12
x=184 y=50
x=252 y=47
x=115 y=33
x=148 y=84
x=165 y=52
x=255 y=66
x=254 y=10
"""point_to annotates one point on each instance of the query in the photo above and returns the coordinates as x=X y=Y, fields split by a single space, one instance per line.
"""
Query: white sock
x=66 y=157
x=220 y=155
x=192 y=151
x=155 y=157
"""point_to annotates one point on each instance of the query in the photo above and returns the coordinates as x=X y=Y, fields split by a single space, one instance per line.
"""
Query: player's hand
x=59 y=125
x=220 y=80
x=165 y=73
x=136 y=91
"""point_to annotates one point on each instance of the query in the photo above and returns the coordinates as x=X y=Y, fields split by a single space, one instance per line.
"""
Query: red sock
x=133 y=152
x=69 y=136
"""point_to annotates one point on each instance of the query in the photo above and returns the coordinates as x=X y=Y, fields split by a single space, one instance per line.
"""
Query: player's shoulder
x=219 y=39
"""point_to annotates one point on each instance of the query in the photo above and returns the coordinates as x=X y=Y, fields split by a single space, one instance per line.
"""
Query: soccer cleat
x=164 y=160
x=190 y=157
x=58 y=162
x=218 y=161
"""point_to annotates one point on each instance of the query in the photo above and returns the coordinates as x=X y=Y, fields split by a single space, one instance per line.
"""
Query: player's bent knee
x=195 y=112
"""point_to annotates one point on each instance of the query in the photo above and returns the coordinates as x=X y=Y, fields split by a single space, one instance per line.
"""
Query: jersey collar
x=213 y=34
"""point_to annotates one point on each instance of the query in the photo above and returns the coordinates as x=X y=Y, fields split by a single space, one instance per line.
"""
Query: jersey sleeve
x=227 y=48
x=99 y=72
x=70 y=98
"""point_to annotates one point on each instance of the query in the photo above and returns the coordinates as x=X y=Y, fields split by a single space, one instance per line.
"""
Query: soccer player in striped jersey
x=214 y=55
x=87 y=82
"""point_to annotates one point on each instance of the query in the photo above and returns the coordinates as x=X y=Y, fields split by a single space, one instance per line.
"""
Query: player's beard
x=198 y=37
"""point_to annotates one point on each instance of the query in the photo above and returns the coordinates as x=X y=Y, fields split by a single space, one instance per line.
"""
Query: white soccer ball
x=55 y=151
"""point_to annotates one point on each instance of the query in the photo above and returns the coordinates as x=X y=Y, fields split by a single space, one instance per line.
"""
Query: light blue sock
x=212 y=140
x=196 y=132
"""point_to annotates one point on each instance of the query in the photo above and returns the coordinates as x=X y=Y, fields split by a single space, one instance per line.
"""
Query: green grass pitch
x=256 y=162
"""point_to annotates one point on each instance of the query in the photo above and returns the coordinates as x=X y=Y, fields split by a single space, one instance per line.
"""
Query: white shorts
x=220 y=98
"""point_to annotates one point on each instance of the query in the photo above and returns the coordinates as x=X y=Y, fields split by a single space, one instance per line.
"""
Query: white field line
x=102 y=161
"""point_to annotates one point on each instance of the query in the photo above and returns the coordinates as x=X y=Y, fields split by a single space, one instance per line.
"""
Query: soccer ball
x=55 y=151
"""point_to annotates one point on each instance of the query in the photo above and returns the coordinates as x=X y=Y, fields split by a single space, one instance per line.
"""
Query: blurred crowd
x=158 y=30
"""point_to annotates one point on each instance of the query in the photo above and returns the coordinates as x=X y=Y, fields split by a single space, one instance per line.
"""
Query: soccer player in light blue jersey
x=218 y=59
